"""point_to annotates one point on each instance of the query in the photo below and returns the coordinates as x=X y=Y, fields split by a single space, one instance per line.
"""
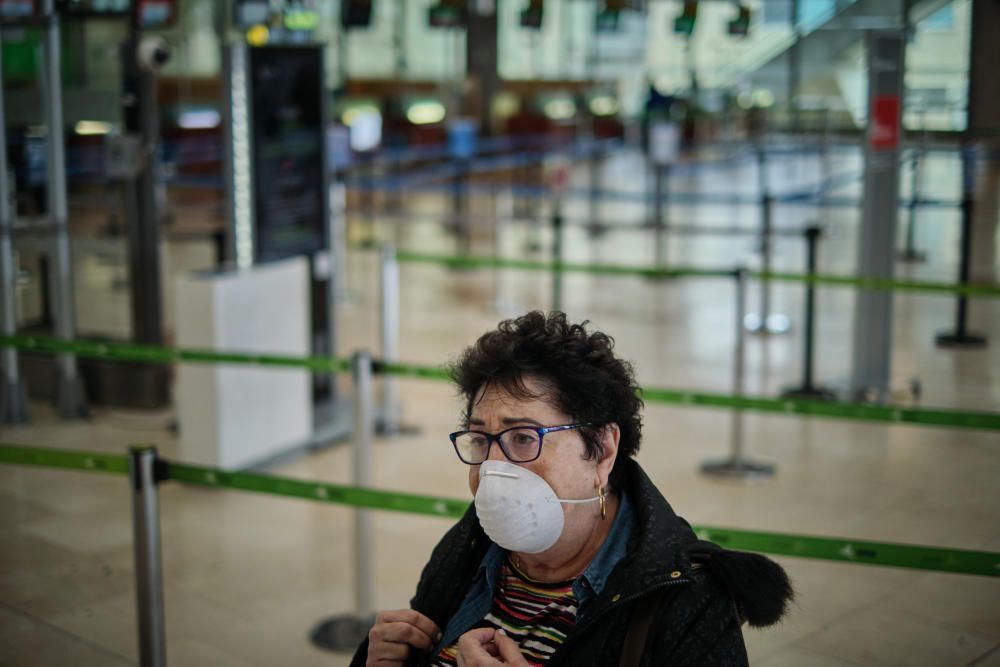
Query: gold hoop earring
x=603 y=496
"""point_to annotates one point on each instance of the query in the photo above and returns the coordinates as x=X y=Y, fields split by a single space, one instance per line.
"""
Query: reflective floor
x=247 y=576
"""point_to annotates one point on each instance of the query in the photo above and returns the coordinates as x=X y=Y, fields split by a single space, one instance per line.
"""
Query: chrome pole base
x=71 y=398
x=13 y=402
x=739 y=469
x=774 y=325
x=341 y=634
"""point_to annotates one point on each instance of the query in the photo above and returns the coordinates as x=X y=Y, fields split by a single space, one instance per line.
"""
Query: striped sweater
x=535 y=614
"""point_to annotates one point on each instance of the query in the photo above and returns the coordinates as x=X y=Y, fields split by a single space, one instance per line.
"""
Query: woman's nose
x=496 y=453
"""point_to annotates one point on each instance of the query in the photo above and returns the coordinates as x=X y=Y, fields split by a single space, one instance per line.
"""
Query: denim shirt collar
x=479 y=600
x=591 y=582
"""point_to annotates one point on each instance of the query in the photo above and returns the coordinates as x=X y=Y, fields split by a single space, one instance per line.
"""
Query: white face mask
x=518 y=509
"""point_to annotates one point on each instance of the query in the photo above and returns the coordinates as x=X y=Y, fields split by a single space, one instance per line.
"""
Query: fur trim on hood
x=759 y=586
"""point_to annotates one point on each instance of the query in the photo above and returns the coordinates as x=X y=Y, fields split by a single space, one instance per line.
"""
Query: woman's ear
x=610 y=435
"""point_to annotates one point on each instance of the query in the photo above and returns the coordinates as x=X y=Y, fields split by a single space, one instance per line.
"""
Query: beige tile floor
x=247 y=576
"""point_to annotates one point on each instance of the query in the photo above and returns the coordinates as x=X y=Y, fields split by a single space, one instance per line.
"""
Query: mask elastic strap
x=582 y=500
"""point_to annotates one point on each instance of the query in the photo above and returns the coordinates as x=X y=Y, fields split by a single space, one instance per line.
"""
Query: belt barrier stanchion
x=13 y=396
x=737 y=465
x=502 y=303
x=389 y=412
x=344 y=632
x=557 y=256
x=337 y=269
x=807 y=389
x=145 y=475
x=594 y=169
x=364 y=431
x=910 y=252
x=765 y=322
x=664 y=150
x=71 y=401
x=961 y=337
x=460 y=209
x=824 y=165
x=659 y=213
x=462 y=146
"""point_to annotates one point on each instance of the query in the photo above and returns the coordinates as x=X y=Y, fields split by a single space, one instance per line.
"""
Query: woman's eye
x=523 y=438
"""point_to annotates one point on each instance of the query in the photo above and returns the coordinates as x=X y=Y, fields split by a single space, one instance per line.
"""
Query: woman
x=569 y=555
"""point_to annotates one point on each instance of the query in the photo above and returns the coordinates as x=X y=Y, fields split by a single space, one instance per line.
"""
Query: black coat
x=706 y=592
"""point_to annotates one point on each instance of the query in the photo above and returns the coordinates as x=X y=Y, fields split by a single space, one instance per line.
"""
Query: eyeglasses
x=520 y=444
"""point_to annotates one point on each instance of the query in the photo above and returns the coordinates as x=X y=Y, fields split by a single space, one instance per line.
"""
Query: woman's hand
x=485 y=647
x=395 y=632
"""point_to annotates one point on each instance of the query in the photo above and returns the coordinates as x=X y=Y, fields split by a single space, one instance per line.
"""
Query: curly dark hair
x=579 y=369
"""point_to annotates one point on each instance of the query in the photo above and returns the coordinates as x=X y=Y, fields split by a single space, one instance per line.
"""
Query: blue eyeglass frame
x=495 y=437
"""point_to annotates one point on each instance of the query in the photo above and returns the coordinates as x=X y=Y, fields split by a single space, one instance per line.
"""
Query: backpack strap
x=638 y=628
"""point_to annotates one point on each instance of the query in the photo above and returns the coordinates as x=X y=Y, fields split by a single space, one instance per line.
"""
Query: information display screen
x=11 y=10
x=288 y=151
x=293 y=15
x=94 y=7
x=146 y=14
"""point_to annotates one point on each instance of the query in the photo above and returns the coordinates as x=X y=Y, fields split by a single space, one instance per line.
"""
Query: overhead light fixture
x=199 y=119
x=603 y=105
x=560 y=108
x=92 y=127
x=426 y=112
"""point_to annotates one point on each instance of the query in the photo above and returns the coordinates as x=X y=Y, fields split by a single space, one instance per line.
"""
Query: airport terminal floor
x=247 y=576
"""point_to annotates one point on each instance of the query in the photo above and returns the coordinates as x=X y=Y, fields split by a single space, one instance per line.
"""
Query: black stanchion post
x=807 y=389
x=459 y=207
x=594 y=165
x=910 y=252
x=765 y=322
x=557 y=254
x=366 y=170
x=144 y=475
x=659 y=208
x=961 y=337
x=737 y=465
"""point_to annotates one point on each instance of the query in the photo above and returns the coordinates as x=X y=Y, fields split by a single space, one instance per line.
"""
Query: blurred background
x=313 y=178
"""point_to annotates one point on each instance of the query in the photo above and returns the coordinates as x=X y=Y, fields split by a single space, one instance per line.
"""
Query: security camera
x=153 y=53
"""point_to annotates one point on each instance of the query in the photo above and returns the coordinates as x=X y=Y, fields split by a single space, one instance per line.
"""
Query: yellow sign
x=258 y=35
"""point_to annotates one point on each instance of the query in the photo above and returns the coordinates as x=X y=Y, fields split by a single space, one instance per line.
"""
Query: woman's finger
x=404 y=633
x=412 y=617
x=472 y=647
x=510 y=653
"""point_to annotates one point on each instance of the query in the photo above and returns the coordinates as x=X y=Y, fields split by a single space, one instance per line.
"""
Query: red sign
x=884 y=118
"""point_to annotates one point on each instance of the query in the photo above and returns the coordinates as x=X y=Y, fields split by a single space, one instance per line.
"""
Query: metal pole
x=659 y=208
x=737 y=465
x=739 y=366
x=345 y=631
x=961 y=337
x=765 y=322
x=70 y=399
x=807 y=389
x=13 y=396
x=148 y=565
x=337 y=249
x=460 y=206
x=364 y=428
x=557 y=254
x=389 y=418
x=594 y=172
x=910 y=253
